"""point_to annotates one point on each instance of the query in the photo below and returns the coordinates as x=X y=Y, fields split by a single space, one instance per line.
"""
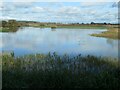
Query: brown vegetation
x=110 y=33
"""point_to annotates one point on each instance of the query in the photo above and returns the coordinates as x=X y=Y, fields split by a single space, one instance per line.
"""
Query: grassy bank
x=51 y=70
x=83 y=27
x=110 y=33
x=60 y=26
x=79 y=26
x=4 y=29
x=74 y=26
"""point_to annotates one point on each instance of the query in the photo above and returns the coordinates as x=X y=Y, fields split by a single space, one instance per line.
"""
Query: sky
x=64 y=12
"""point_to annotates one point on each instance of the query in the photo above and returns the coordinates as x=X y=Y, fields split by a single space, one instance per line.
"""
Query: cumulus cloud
x=25 y=1
x=6 y=18
x=64 y=12
x=69 y=10
x=93 y=4
x=38 y=9
x=1 y=6
x=7 y=7
x=22 y=4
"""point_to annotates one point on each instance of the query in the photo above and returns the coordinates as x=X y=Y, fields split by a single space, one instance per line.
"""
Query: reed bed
x=54 y=71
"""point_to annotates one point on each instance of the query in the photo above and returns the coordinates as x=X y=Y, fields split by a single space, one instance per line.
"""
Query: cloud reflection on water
x=71 y=41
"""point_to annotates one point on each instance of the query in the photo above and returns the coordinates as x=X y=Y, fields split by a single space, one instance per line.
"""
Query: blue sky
x=82 y=12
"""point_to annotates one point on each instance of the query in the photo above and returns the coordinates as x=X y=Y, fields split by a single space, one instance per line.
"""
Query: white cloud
x=38 y=9
x=69 y=9
x=22 y=4
x=7 y=7
x=88 y=4
x=64 y=12
x=25 y=1
x=6 y=18
x=1 y=6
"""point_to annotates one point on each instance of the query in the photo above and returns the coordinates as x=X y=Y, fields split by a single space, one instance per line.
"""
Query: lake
x=30 y=40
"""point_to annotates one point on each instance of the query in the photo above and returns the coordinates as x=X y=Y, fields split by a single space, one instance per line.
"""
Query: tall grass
x=112 y=33
x=54 y=71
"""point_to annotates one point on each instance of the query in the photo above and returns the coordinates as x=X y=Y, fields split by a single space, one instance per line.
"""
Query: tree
x=12 y=23
x=92 y=23
x=105 y=23
x=4 y=23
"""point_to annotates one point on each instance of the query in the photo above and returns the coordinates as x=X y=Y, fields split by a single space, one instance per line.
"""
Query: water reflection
x=53 y=29
x=71 y=41
x=112 y=42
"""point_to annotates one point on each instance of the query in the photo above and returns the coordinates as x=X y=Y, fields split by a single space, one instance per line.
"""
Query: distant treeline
x=10 y=25
x=13 y=24
x=57 y=23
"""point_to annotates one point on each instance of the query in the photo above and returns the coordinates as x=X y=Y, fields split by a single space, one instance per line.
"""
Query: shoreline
x=13 y=26
x=112 y=33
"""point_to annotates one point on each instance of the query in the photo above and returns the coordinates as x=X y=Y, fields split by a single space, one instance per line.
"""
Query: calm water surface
x=29 y=40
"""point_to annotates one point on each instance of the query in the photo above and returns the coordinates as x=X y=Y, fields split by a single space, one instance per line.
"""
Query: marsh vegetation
x=110 y=33
x=13 y=26
x=52 y=70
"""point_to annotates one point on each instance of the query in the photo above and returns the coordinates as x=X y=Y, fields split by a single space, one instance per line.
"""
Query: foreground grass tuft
x=52 y=70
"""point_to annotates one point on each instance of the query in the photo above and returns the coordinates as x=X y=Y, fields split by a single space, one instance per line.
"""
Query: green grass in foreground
x=51 y=70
